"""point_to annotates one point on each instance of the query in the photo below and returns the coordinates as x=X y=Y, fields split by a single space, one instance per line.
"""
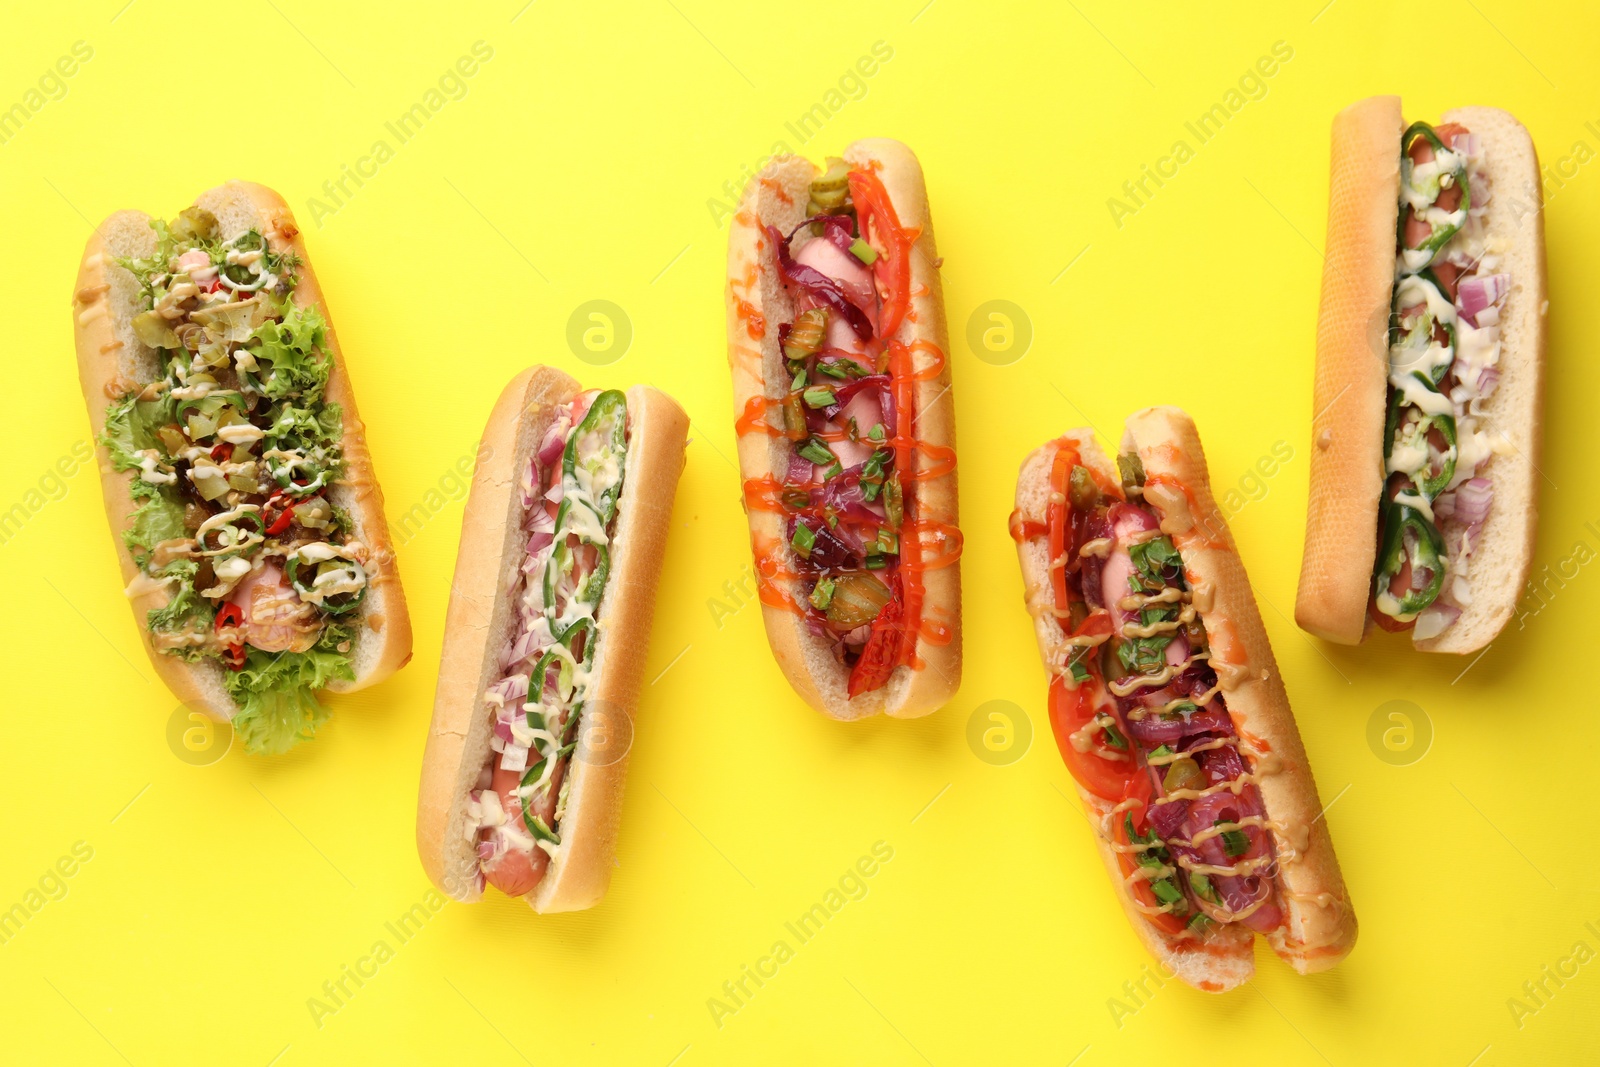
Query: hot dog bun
x=1319 y=927
x=1351 y=385
x=113 y=362
x=481 y=620
x=757 y=303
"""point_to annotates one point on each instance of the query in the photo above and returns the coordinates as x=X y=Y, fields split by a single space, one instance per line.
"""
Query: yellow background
x=580 y=164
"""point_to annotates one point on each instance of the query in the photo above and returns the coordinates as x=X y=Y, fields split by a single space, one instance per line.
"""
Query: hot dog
x=1429 y=384
x=841 y=382
x=561 y=546
x=1167 y=706
x=247 y=518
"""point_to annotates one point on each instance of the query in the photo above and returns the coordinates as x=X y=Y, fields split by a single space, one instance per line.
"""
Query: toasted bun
x=481 y=620
x=113 y=362
x=757 y=304
x=1319 y=927
x=1352 y=377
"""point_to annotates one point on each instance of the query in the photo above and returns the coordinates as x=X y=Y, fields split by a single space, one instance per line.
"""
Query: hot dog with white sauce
x=248 y=520
x=561 y=547
x=1430 y=363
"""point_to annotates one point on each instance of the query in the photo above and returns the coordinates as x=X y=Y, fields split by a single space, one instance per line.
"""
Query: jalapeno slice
x=302 y=576
x=1442 y=232
x=608 y=418
x=1425 y=551
x=1402 y=340
x=241 y=535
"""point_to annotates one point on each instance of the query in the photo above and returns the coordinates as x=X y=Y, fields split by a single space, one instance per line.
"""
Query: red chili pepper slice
x=893 y=268
x=281 y=523
x=223 y=452
x=228 y=614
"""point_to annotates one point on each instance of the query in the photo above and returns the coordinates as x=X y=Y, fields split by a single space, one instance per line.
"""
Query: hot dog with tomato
x=841 y=381
x=248 y=520
x=1429 y=383
x=1166 y=703
x=561 y=548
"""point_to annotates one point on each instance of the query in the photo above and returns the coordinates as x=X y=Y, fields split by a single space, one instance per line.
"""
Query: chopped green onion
x=1165 y=891
x=1202 y=886
x=1114 y=736
x=816 y=451
x=819 y=397
x=803 y=539
x=1234 y=841
x=798 y=382
x=863 y=251
x=822 y=595
x=876 y=563
x=876 y=433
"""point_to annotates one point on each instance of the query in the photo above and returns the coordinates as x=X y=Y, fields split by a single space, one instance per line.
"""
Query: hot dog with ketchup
x=1167 y=706
x=836 y=341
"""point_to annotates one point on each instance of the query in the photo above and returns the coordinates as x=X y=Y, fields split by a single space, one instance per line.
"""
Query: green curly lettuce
x=276 y=692
x=293 y=361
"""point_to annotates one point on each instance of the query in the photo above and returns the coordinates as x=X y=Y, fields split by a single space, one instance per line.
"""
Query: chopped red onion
x=1481 y=291
x=1473 y=498
x=486 y=850
x=538 y=541
x=1488 y=381
x=550 y=448
x=1465 y=143
x=515 y=758
x=1434 y=620
x=510 y=689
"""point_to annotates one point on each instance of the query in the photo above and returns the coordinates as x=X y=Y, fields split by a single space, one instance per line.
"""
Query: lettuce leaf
x=297 y=426
x=158 y=519
x=276 y=692
x=186 y=604
x=293 y=349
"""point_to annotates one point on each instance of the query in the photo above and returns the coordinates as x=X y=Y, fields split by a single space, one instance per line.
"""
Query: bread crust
x=1504 y=558
x=1319 y=927
x=1351 y=388
x=757 y=303
x=112 y=362
x=1352 y=372
x=481 y=618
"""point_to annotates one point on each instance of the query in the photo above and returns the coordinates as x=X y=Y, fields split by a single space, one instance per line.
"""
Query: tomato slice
x=893 y=268
x=1070 y=711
